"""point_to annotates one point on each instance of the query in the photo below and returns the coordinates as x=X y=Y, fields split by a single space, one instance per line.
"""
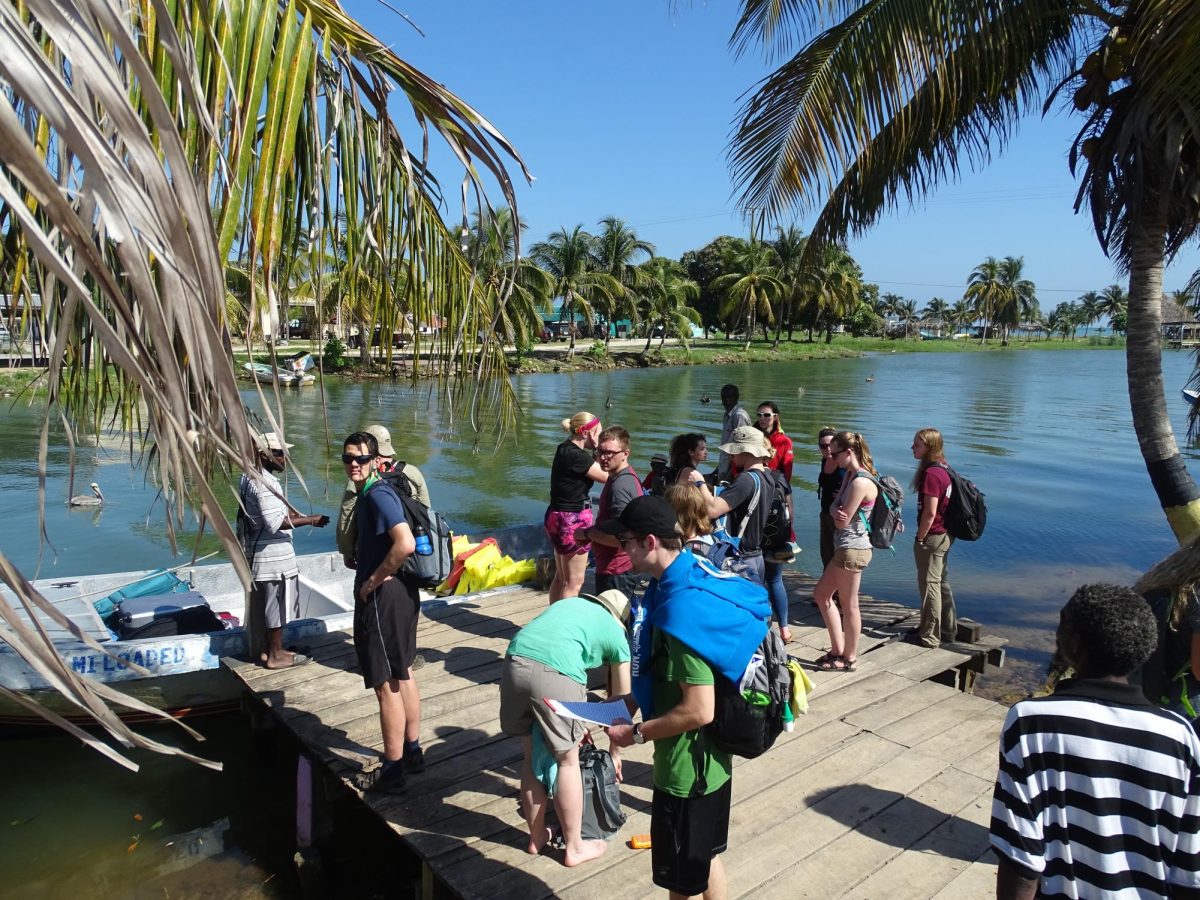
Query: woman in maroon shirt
x=931 y=545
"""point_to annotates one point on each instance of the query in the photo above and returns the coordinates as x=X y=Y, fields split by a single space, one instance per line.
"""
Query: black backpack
x=602 y=814
x=748 y=716
x=777 y=532
x=661 y=480
x=885 y=521
x=398 y=480
x=965 y=515
x=426 y=571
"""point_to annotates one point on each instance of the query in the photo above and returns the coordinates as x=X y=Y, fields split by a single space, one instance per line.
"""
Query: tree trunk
x=649 y=338
x=1177 y=493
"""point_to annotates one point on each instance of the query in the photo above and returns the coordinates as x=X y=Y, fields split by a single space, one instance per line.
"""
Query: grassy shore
x=594 y=356
x=21 y=382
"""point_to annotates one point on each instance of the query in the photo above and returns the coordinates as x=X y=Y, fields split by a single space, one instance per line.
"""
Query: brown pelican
x=84 y=500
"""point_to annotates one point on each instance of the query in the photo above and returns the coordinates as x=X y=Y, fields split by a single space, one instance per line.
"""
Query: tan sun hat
x=269 y=441
x=748 y=439
x=614 y=601
x=383 y=438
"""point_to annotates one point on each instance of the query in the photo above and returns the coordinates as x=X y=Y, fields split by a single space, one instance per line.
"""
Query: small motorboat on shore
x=186 y=677
x=292 y=372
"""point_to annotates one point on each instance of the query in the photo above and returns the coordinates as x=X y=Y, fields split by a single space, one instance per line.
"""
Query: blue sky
x=625 y=108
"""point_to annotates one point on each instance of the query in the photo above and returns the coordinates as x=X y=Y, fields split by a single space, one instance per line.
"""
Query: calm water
x=1046 y=435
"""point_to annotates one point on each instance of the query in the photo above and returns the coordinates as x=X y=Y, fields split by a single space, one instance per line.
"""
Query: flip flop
x=298 y=659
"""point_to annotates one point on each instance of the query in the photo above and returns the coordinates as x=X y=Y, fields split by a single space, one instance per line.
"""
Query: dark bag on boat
x=749 y=714
x=965 y=515
x=602 y=815
x=433 y=568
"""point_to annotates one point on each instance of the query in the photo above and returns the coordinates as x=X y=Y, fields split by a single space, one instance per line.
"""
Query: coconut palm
x=750 y=286
x=617 y=247
x=516 y=288
x=666 y=294
x=906 y=312
x=1018 y=299
x=789 y=250
x=835 y=280
x=986 y=291
x=961 y=314
x=569 y=258
x=142 y=143
x=1090 y=309
x=886 y=100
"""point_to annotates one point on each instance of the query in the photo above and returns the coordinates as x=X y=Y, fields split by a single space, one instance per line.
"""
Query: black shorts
x=685 y=834
x=385 y=632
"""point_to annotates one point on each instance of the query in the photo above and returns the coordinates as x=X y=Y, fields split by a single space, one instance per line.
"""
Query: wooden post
x=304 y=802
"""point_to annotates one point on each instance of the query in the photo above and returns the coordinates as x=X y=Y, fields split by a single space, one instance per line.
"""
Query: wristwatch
x=638 y=737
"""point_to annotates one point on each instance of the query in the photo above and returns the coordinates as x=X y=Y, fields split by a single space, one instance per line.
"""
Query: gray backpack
x=602 y=815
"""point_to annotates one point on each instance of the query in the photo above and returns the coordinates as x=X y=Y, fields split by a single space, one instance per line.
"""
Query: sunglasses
x=604 y=454
x=279 y=454
x=626 y=539
x=766 y=415
x=837 y=453
x=825 y=445
x=349 y=458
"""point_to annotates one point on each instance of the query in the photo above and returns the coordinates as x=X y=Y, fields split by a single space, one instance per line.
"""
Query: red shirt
x=935 y=483
x=782 y=460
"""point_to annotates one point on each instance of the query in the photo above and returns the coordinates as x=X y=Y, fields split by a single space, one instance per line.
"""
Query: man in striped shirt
x=1098 y=792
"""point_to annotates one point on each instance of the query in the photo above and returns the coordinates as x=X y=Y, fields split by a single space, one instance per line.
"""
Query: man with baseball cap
x=697 y=624
x=265 y=524
x=550 y=657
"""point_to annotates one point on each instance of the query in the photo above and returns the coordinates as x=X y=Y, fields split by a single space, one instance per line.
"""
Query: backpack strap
x=752 y=507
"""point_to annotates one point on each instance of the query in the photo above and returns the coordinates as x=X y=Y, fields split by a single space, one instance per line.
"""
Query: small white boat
x=186 y=677
x=291 y=373
x=1191 y=396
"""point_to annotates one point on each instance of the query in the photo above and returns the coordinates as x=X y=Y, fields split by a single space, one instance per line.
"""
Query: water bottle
x=789 y=718
x=424 y=547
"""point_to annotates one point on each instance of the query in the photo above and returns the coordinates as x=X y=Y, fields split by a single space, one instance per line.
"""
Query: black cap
x=644 y=515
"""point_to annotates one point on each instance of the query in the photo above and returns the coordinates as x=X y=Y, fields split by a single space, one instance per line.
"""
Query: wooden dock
x=883 y=789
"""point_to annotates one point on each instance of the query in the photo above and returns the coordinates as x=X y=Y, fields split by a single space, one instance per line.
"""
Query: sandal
x=829 y=663
x=847 y=664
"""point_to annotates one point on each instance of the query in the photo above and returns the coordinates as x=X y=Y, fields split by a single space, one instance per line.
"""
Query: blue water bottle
x=424 y=547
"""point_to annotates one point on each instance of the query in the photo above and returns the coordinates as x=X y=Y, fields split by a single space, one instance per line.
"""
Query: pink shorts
x=561 y=528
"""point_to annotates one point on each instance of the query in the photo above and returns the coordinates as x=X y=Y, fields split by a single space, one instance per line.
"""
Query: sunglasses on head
x=348 y=458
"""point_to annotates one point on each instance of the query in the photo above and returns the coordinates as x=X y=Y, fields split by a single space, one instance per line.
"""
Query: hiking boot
x=384 y=779
x=414 y=761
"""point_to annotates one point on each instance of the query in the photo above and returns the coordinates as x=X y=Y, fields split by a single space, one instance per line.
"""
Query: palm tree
x=789 y=250
x=961 y=313
x=887 y=100
x=138 y=155
x=749 y=285
x=616 y=248
x=1089 y=309
x=906 y=312
x=517 y=289
x=1113 y=302
x=667 y=293
x=986 y=291
x=1018 y=299
x=935 y=311
x=886 y=305
x=836 y=281
x=569 y=259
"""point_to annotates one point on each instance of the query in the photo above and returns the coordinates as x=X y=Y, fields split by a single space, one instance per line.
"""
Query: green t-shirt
x=686 y=765
x=572 y=636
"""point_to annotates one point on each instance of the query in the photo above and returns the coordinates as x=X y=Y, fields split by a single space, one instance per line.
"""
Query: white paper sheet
x=609 y=713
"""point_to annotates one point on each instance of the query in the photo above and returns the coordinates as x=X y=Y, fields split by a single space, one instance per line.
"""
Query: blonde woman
x=569 y=515
x=851 y=553
x=690 y=503
x=931 y=547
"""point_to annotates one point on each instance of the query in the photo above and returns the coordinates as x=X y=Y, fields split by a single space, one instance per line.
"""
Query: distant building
x=1179 y=325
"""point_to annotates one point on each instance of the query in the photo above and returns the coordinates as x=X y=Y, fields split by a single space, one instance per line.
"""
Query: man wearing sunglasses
x=386 y=608
x=265 y=526
x=612 y=563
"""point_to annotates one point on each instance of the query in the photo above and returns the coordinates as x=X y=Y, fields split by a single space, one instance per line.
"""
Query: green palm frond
x=896 y=96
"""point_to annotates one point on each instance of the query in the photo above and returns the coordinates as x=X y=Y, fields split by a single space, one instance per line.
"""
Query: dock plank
x=889 y=772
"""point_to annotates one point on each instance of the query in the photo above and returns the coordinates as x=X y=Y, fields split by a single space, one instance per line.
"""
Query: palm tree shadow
x=902 y=821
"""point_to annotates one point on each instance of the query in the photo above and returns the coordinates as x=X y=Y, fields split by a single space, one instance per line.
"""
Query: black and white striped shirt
x=1098 y=794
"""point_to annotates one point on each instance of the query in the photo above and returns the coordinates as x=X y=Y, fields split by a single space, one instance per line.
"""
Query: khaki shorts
x=851 y=560
x=524 y=684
